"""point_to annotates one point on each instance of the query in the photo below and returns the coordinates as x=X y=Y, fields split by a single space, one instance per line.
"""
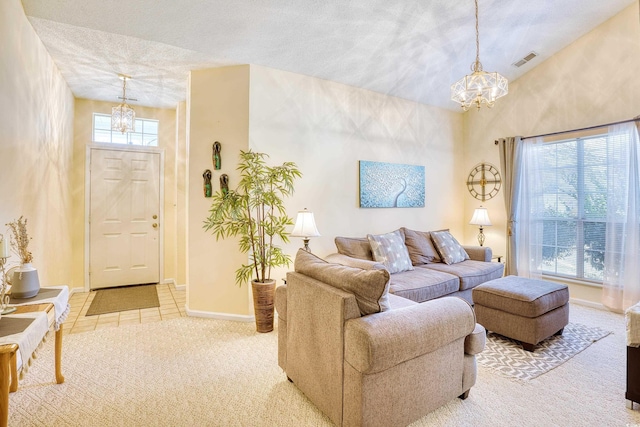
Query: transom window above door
x=146 y=133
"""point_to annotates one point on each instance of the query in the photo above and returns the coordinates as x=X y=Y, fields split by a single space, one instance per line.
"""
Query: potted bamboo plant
x=255 y=212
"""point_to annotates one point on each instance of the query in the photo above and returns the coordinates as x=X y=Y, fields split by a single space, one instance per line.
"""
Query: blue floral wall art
x=391 y=185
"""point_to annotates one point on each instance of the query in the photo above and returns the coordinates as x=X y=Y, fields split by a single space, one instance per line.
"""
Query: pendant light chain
x=479 y=87
x=477 y=66
x=124 y=89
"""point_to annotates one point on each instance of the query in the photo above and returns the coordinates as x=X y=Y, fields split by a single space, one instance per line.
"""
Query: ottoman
x=523 y=309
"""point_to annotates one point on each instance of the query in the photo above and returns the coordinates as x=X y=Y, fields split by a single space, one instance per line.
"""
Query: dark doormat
x=123 y=299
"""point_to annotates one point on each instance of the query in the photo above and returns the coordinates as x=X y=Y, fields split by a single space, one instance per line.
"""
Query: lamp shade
x=480 y=217
x=305 y=225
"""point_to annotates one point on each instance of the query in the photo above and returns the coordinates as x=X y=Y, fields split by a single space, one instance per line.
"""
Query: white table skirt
x=29 y=339
x=60 y=304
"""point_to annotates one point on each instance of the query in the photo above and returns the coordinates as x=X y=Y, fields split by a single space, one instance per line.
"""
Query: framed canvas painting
x=391 y=185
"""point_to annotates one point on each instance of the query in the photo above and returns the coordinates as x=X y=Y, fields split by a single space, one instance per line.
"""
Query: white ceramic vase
x=25 y=283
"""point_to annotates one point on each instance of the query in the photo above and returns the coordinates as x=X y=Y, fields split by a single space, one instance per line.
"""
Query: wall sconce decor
x=207 y=183
x=224 y=183
x=216 y=157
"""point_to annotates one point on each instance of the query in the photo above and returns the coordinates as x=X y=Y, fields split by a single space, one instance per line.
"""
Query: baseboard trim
x=180 y=287
x=220 y=316
x=587 y=303
x=74 y=290
x=169 y=282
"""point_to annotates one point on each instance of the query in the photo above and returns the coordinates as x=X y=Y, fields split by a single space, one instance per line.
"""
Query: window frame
x=128 y=135
x=580 y=219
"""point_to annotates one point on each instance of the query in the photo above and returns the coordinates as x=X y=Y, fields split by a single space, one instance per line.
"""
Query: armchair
x=386 y=368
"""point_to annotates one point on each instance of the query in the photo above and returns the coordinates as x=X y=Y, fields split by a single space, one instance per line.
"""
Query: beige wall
x=36 y=138
x=83 y=126
x=217 y=110
x=592 y=81
x=327 y=127
x=324 y=127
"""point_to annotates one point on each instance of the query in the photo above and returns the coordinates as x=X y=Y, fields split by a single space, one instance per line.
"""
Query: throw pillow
x=370 y=287
x=420 y=247
x=450 y=250
x=389 y=249
x=355 y=247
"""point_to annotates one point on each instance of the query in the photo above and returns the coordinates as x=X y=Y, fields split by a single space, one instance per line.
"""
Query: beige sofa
x=366 y=357
x=430 y=278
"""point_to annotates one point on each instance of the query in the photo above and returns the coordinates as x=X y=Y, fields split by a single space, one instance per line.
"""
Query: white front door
x=124 y=218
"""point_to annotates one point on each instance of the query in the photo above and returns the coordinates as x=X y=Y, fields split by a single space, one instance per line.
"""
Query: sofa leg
x=290 y=380
x=559 y=332
x=464 y=395
x=528 y=347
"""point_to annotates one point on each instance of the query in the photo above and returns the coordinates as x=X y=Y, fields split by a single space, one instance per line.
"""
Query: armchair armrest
x=281 y=301
x=474 y=342
x=479 y=253
x=379 y=341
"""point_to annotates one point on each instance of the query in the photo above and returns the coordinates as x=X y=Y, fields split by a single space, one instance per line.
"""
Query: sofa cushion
x=421 y=284
x=471 y=273
x=370 y=287
x=356 y=247
x=389 y=249
x=420 y=247
x=448 y=247
x=397 y=302
x=364 y=264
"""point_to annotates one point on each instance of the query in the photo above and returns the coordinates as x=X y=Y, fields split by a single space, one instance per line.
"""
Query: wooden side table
x=9 y=362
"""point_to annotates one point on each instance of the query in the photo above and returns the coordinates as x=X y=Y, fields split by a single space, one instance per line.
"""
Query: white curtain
x=528 y=223
x=621 y=287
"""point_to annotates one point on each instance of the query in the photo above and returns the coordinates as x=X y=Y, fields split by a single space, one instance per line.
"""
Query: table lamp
x=480 y=218
x=305 y=227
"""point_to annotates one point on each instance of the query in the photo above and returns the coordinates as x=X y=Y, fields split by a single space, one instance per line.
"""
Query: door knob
x=155 y=225
x=155 y=217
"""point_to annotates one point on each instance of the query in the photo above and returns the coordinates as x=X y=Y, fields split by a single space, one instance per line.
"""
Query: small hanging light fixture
x=480 y=87
x=123 y=117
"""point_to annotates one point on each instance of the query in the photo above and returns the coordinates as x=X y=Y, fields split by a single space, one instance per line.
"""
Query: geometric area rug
x=507 y=358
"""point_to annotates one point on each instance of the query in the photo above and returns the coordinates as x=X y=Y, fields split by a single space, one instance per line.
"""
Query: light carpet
x=202 y=372
x=507 y=357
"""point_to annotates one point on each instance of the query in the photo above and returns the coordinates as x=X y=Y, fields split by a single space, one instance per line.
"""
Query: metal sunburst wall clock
x=484 y=181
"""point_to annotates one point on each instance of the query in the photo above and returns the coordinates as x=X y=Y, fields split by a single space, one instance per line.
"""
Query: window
x=146 y=133
x=574 y=212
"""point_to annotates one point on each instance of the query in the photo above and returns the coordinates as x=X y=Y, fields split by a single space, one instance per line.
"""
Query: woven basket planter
x=263 y=304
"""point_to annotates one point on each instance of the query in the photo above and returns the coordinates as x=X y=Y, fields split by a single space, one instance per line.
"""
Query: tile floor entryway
x=172 y=305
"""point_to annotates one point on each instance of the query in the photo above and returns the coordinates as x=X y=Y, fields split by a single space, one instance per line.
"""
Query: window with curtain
x=577 y=209
x=146 y=133
x=572 y=206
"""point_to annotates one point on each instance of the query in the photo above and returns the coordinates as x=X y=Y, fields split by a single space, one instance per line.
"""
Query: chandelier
x=123 y=118
x=480 y=87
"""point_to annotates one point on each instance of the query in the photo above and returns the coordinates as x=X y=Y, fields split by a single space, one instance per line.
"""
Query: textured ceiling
x=405 y=48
